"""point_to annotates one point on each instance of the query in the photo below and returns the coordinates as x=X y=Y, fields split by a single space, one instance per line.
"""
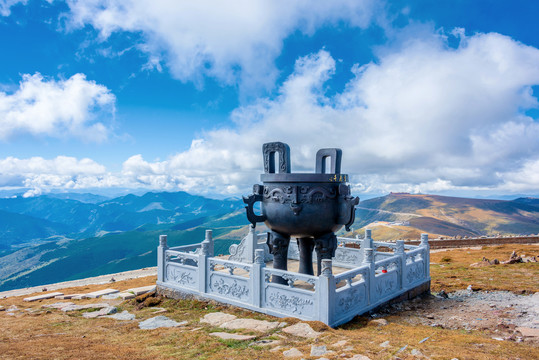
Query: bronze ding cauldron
x=310 y=207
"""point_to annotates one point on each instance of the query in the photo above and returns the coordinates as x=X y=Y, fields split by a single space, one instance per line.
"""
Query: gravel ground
x=502 y=314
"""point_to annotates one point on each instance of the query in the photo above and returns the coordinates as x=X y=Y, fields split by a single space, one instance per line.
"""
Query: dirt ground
x=489 y=312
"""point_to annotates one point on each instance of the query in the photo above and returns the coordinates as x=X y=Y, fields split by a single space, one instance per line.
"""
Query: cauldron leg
x=278 y=246
x=325 y=247
x=305 y=247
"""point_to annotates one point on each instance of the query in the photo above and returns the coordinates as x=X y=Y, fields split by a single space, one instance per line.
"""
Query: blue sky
x=422 y=96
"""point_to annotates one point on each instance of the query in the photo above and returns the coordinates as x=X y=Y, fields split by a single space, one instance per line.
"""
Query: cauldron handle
x=335 y=155
x=269 y=150
x=250 y=201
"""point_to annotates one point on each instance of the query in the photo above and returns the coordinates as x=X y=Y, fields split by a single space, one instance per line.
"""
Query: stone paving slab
x=102 y=312
x=302 y=330
x=43 y=296
x=217 y=318
x=142 y=290
x=228 y=336
x=158 y=322
x=292 y=353
x=84 y=307
x=96 y=294
x=68 y=296
x=251 y=324
x=126 y=295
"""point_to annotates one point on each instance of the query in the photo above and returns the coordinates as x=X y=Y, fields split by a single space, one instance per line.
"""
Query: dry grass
x=457 y=274
x=38 y=333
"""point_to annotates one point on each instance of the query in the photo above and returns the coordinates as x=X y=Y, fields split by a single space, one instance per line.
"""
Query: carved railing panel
x=414 y=269
x=181 y=258
x=182 y=275
x=229 y=286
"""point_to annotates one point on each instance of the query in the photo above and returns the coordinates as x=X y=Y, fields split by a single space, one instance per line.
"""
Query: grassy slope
x=447 y=216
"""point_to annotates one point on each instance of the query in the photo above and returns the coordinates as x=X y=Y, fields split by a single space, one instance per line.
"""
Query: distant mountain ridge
x=447 y=216
x=50 y=215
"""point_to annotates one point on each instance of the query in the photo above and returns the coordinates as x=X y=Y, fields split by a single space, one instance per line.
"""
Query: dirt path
x=103 y=279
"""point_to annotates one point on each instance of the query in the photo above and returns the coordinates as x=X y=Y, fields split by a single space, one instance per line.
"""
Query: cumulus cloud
x=232 y=41
x=424 y=117
x=74 y=107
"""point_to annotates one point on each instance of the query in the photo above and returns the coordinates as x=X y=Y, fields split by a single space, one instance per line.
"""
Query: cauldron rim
x=304 y=178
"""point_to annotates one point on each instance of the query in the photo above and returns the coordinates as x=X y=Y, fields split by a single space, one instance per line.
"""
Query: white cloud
x=233 y=41
x=75 y=107
x=424 y=117
x=5 y=6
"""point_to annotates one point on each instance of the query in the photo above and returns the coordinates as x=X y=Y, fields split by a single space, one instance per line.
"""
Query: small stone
x=217 y=318
x=228 y=336
x=58 y=305
x=159 y=322
x=124 y=315
x=277 y=348
x=2 y=308
x=385 y=344
x=319 y=350
x=416 y=352
x=443 y=294
x=292 y=353
x=379 y=322
x=359 y=357
x=302 y=330
x=528 y=332
x=265 y=342
x=12 y=308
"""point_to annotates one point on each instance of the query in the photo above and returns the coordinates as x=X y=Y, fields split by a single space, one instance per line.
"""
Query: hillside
x=76 y=259
x=52 y=215
x=50 y=239
x=402 y=215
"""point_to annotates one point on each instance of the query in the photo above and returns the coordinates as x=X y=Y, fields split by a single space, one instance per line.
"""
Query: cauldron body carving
x=302 y=205
x=310 y=207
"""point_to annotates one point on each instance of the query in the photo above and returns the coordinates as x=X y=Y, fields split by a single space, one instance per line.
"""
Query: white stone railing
x=373 y=278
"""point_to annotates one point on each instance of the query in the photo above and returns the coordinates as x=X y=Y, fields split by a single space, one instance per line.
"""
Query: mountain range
x=60 y=237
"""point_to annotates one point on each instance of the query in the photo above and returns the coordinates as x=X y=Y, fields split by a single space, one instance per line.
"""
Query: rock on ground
x=292 y=353
x=319 y=350
x=379 y=322
x=158 y=322
x=302 y=330
x=359 y=357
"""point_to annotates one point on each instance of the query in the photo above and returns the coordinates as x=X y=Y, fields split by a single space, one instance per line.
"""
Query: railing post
x=367 y=242
x=209 y=238
x=402 y=260
x=202 y=263
x=161 y=249
x=368 y=259
x=326 y=293
x=426 y=246
x=257 y=274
